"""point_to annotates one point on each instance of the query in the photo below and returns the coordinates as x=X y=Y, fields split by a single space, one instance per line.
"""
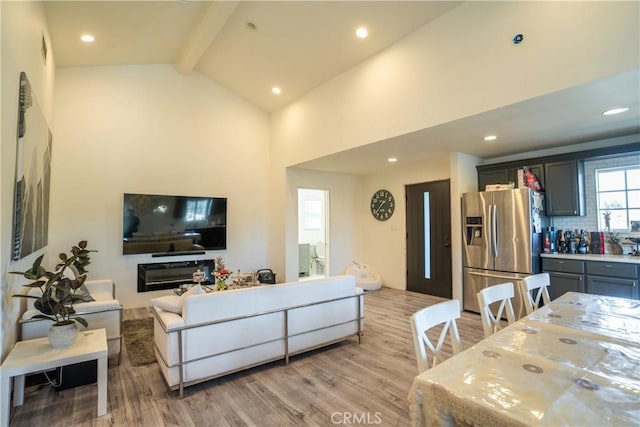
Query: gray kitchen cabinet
x=565 y=275
x=537 y=170
x=614 y=279
x=506 y=173
x=565 y=188
x=565 y=168
x=612 y=286
x=492 y=176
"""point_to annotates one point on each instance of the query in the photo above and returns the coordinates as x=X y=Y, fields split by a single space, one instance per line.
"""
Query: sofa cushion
x=248 y=301
x=194 y=290
x=82 y=308
x=173 y=303
x=169 y=303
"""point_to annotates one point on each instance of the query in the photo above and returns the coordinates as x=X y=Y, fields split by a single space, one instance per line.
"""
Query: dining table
x=573 y=362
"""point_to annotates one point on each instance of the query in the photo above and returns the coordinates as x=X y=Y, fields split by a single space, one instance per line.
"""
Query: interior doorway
x=313 y=236
x=429 y=238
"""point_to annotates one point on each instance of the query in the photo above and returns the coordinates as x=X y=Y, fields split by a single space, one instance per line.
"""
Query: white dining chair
x=498 y=293
x=534 y=288
x=424 y=319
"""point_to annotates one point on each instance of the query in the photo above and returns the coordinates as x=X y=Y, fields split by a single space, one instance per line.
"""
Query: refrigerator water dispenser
x=474 y=230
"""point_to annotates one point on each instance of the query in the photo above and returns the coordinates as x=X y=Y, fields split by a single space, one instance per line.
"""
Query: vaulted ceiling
x=246 y=46
x=251 y=46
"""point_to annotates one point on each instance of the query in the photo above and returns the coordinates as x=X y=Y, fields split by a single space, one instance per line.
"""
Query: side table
x=36 y=355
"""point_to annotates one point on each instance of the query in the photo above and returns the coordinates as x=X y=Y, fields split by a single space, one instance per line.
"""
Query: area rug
x=138 y=338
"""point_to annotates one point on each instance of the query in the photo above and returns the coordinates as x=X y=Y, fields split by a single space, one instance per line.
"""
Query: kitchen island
x=612 y=275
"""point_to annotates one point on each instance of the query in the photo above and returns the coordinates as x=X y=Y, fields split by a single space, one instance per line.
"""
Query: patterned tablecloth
x=574 y=362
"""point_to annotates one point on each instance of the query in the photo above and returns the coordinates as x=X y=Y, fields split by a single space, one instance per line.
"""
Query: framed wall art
x=33 y=175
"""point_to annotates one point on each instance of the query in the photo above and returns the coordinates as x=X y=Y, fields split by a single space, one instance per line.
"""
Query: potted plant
x=58 y=293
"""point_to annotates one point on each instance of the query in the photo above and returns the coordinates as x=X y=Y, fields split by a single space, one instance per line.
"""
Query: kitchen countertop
x=631 y=259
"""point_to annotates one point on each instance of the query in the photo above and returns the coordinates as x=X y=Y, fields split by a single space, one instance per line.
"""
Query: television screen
x=164 y=224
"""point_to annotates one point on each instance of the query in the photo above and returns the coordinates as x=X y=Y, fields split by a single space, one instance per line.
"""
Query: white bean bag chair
x=366 y=278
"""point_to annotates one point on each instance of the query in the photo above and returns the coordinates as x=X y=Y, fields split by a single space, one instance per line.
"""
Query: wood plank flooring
x=337 y=385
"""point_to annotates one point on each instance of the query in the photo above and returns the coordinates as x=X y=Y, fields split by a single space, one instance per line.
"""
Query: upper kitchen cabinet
x=492 y=176
x=506 y=173
x=565 y=196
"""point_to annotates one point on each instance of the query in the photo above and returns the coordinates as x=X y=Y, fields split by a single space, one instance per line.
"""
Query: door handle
x=447 y=241
x=495 y=276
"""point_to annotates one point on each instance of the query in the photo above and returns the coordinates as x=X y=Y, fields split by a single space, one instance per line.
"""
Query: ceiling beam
x=204 y=33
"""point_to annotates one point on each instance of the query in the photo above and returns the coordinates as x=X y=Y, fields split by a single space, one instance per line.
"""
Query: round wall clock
x=382 y=205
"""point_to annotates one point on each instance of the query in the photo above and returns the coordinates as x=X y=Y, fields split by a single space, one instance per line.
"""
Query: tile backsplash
x=589 y=221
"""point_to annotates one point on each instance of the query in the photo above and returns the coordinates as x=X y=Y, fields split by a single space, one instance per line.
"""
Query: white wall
x=457 y=66
x=148 y=129
x=384 y=242
x=356 y=235
x=22 y=26
x=464 y=179
x=461 y=64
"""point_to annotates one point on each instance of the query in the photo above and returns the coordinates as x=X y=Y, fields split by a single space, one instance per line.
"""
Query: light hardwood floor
x=331 y=386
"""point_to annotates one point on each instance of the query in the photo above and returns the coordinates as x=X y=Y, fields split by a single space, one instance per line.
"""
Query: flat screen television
x=161 y=224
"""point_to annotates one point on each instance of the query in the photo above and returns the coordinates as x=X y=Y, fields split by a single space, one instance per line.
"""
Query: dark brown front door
x=429 y=238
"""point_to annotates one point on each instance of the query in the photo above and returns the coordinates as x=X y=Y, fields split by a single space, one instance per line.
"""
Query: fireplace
x=169 y=275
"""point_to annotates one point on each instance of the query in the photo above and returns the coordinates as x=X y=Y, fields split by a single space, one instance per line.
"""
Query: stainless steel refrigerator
x=502 y=241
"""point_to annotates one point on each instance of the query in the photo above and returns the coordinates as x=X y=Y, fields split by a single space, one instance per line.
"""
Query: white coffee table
x=37 y=355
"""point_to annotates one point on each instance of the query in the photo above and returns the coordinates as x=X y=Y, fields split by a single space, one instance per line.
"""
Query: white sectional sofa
x=104 y=312
x=222 y=332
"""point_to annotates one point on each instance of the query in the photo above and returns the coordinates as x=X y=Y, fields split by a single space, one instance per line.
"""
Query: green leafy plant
x=59 y=292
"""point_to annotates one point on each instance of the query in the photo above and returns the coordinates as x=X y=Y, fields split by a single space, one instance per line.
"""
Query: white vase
x=61 y=336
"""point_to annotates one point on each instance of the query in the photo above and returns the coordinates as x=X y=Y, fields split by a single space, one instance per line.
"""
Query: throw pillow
x=171 y=303
x=194 y=290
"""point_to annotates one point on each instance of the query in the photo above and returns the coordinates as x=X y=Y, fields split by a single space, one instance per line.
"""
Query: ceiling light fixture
x=392 y=160
x=87 y=38
x=362 y=33
x=613 y=111
x=490 y=138
x=276 y=90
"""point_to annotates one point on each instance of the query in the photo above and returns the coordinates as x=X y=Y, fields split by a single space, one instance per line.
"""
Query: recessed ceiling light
x=490 y=138
x=362 y=32
x=276 y=90
x=392 y=160
x=612 y=111
x=251 y=26
x=87 y=38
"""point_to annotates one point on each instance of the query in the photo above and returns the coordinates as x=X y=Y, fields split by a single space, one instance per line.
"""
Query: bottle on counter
x=572 y=245
x=562 y=245
x=582 y=243
x=558 y=239
x=546 y=240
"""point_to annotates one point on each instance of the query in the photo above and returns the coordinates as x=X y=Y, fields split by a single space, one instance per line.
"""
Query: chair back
x=424 y=319
x=497 y=293
x=534 y=288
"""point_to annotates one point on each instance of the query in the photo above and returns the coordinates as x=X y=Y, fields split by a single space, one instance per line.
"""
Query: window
x=618 y=191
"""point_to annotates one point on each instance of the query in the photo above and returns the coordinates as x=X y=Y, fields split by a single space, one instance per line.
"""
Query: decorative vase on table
x=62 y=334
x=221 y=274
x=221 y=283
